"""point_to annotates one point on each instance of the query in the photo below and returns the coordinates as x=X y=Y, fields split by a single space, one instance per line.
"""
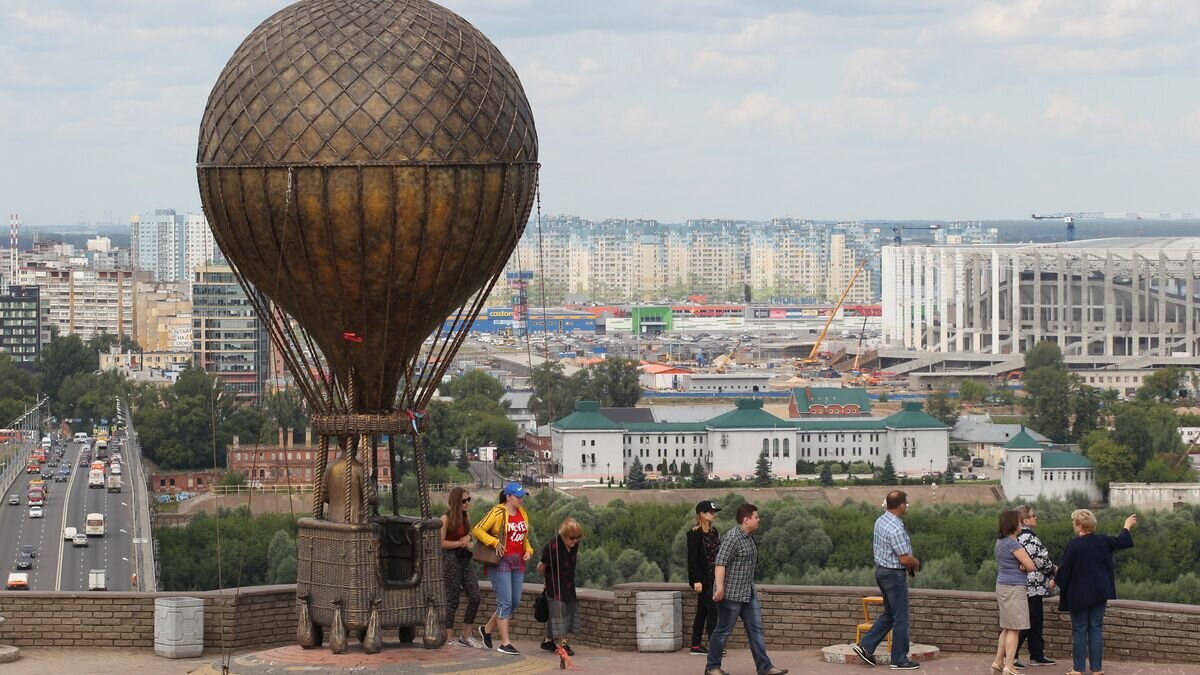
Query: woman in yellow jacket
x=506 y=529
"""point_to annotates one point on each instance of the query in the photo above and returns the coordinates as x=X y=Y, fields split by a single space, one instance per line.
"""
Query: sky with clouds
x=676 y=109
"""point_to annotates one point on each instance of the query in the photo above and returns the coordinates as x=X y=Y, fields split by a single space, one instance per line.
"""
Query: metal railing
x=298 y=488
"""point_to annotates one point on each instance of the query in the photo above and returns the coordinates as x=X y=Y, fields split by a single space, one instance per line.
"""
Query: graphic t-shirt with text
x=518 y=529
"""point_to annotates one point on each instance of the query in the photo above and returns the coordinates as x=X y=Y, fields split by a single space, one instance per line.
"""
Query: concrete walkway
x=413 y=659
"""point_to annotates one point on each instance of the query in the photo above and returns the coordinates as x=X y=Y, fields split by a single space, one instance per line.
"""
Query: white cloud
x=946 y=122
x=774 y=30
x=1069 y=117
x=1191 y=125
x=757 y=109
x=557 y=86
x=873 y=71
x=709 y=64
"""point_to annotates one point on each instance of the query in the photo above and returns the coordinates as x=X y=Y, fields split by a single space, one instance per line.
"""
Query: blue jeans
x=728 y=612
x=894 y=585
x=1087 y=636
x=507 y=580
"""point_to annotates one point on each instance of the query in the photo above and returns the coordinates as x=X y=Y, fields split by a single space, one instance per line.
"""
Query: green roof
x=665 y=427
x=748 y=415
x=586 y=417
x=1057 y=459
x=808 y=396
x=912 y=417
x=1023 y=441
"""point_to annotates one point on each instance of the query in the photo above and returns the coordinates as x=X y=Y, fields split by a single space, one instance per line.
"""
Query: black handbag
x=541 y=609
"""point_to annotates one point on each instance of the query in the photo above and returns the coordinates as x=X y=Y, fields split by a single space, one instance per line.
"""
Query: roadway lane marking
x=66 y=511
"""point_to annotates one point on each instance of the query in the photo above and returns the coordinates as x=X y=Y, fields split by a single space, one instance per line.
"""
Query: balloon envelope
x=369 y=166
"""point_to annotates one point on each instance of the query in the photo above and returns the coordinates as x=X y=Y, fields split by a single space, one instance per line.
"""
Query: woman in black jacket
x=702 y=543
x=1086 y=578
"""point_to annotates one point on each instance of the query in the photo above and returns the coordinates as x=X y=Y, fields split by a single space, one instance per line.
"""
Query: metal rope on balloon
x=392 y=473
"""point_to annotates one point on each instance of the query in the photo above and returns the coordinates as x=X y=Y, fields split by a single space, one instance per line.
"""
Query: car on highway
x=18 y=581
x=30 y=549
x=69 y=533
x=35 y=512
x=79 y=540
x=14 y=500
x=61 y=477
x=24 y=561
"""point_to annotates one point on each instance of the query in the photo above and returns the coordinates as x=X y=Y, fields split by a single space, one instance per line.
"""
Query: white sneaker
x=459 y=642
x=470 y=642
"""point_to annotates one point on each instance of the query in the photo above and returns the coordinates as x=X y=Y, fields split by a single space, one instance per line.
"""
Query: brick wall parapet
x=797 y=617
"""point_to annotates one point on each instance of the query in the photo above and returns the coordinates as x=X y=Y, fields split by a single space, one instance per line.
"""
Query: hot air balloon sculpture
x=367 y=166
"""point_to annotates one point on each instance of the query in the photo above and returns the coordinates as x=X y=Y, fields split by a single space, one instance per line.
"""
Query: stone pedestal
x=659 y=621
x=844 y=654
x=178 y=627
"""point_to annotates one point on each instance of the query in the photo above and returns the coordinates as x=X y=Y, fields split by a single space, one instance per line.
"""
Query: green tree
x=1047 y=401
x=700 y=476
x=636 y=478
x=1114 y=462
x=941 y=406
x=617 y=381
x=64 y=357
x=281 y=559
x=475 y=383
x=1148 y=429
x=1164 y=384
x=1085 y=409
x=887 y=475
x=1042 y=355
x=554 y=397
x=762 y=471
x=972 y=391
x=282 y=409
x=233 y=478
x=826 y=474
x=191 y=424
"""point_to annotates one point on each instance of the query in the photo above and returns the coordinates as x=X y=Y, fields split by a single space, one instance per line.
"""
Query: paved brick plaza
x=395 y=659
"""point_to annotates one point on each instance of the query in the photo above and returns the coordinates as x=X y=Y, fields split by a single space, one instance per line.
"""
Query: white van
x=97 y=580
x=81 y=437
x=69 y=533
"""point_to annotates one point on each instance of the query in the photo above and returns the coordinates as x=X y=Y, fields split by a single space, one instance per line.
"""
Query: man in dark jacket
x=1086 y=579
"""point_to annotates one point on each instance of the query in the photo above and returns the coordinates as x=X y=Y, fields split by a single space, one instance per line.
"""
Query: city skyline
x=859 y=110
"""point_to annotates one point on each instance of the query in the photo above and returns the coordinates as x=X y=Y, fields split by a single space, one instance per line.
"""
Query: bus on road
x=95 y=525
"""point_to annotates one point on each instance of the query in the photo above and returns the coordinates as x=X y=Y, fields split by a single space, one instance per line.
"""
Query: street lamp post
x=608 y=471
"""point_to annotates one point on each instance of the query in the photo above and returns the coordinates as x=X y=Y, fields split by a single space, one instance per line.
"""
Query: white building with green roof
x=1031 y=471
x=589 y=445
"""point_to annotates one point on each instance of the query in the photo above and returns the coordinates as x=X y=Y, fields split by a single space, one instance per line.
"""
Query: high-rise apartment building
x=24 y=325
x=171 y=245
x=162 y=317
x=83 y=300
x=228 y=340
x=618 y=260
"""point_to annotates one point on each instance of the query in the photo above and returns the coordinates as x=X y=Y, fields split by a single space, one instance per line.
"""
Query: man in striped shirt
x=893 y=560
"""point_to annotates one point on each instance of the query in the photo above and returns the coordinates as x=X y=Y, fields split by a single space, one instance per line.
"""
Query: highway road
x=60 y=566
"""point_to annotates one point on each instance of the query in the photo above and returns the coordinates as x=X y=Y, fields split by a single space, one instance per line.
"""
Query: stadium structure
x=1106 y=297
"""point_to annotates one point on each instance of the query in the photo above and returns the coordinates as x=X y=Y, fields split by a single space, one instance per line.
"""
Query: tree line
x=799 y=544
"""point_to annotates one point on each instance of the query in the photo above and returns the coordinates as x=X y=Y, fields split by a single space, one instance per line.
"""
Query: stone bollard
x=178 y=627
x=659 y=621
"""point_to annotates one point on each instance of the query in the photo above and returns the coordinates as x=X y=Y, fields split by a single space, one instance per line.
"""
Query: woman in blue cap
x=506 y=529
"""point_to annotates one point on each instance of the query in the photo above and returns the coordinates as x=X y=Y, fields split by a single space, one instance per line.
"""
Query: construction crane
x=816 y=348
x=897 y=229
x=1068 y=218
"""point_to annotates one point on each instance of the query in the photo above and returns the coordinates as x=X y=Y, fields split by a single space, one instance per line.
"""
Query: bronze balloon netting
x=366 y=81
